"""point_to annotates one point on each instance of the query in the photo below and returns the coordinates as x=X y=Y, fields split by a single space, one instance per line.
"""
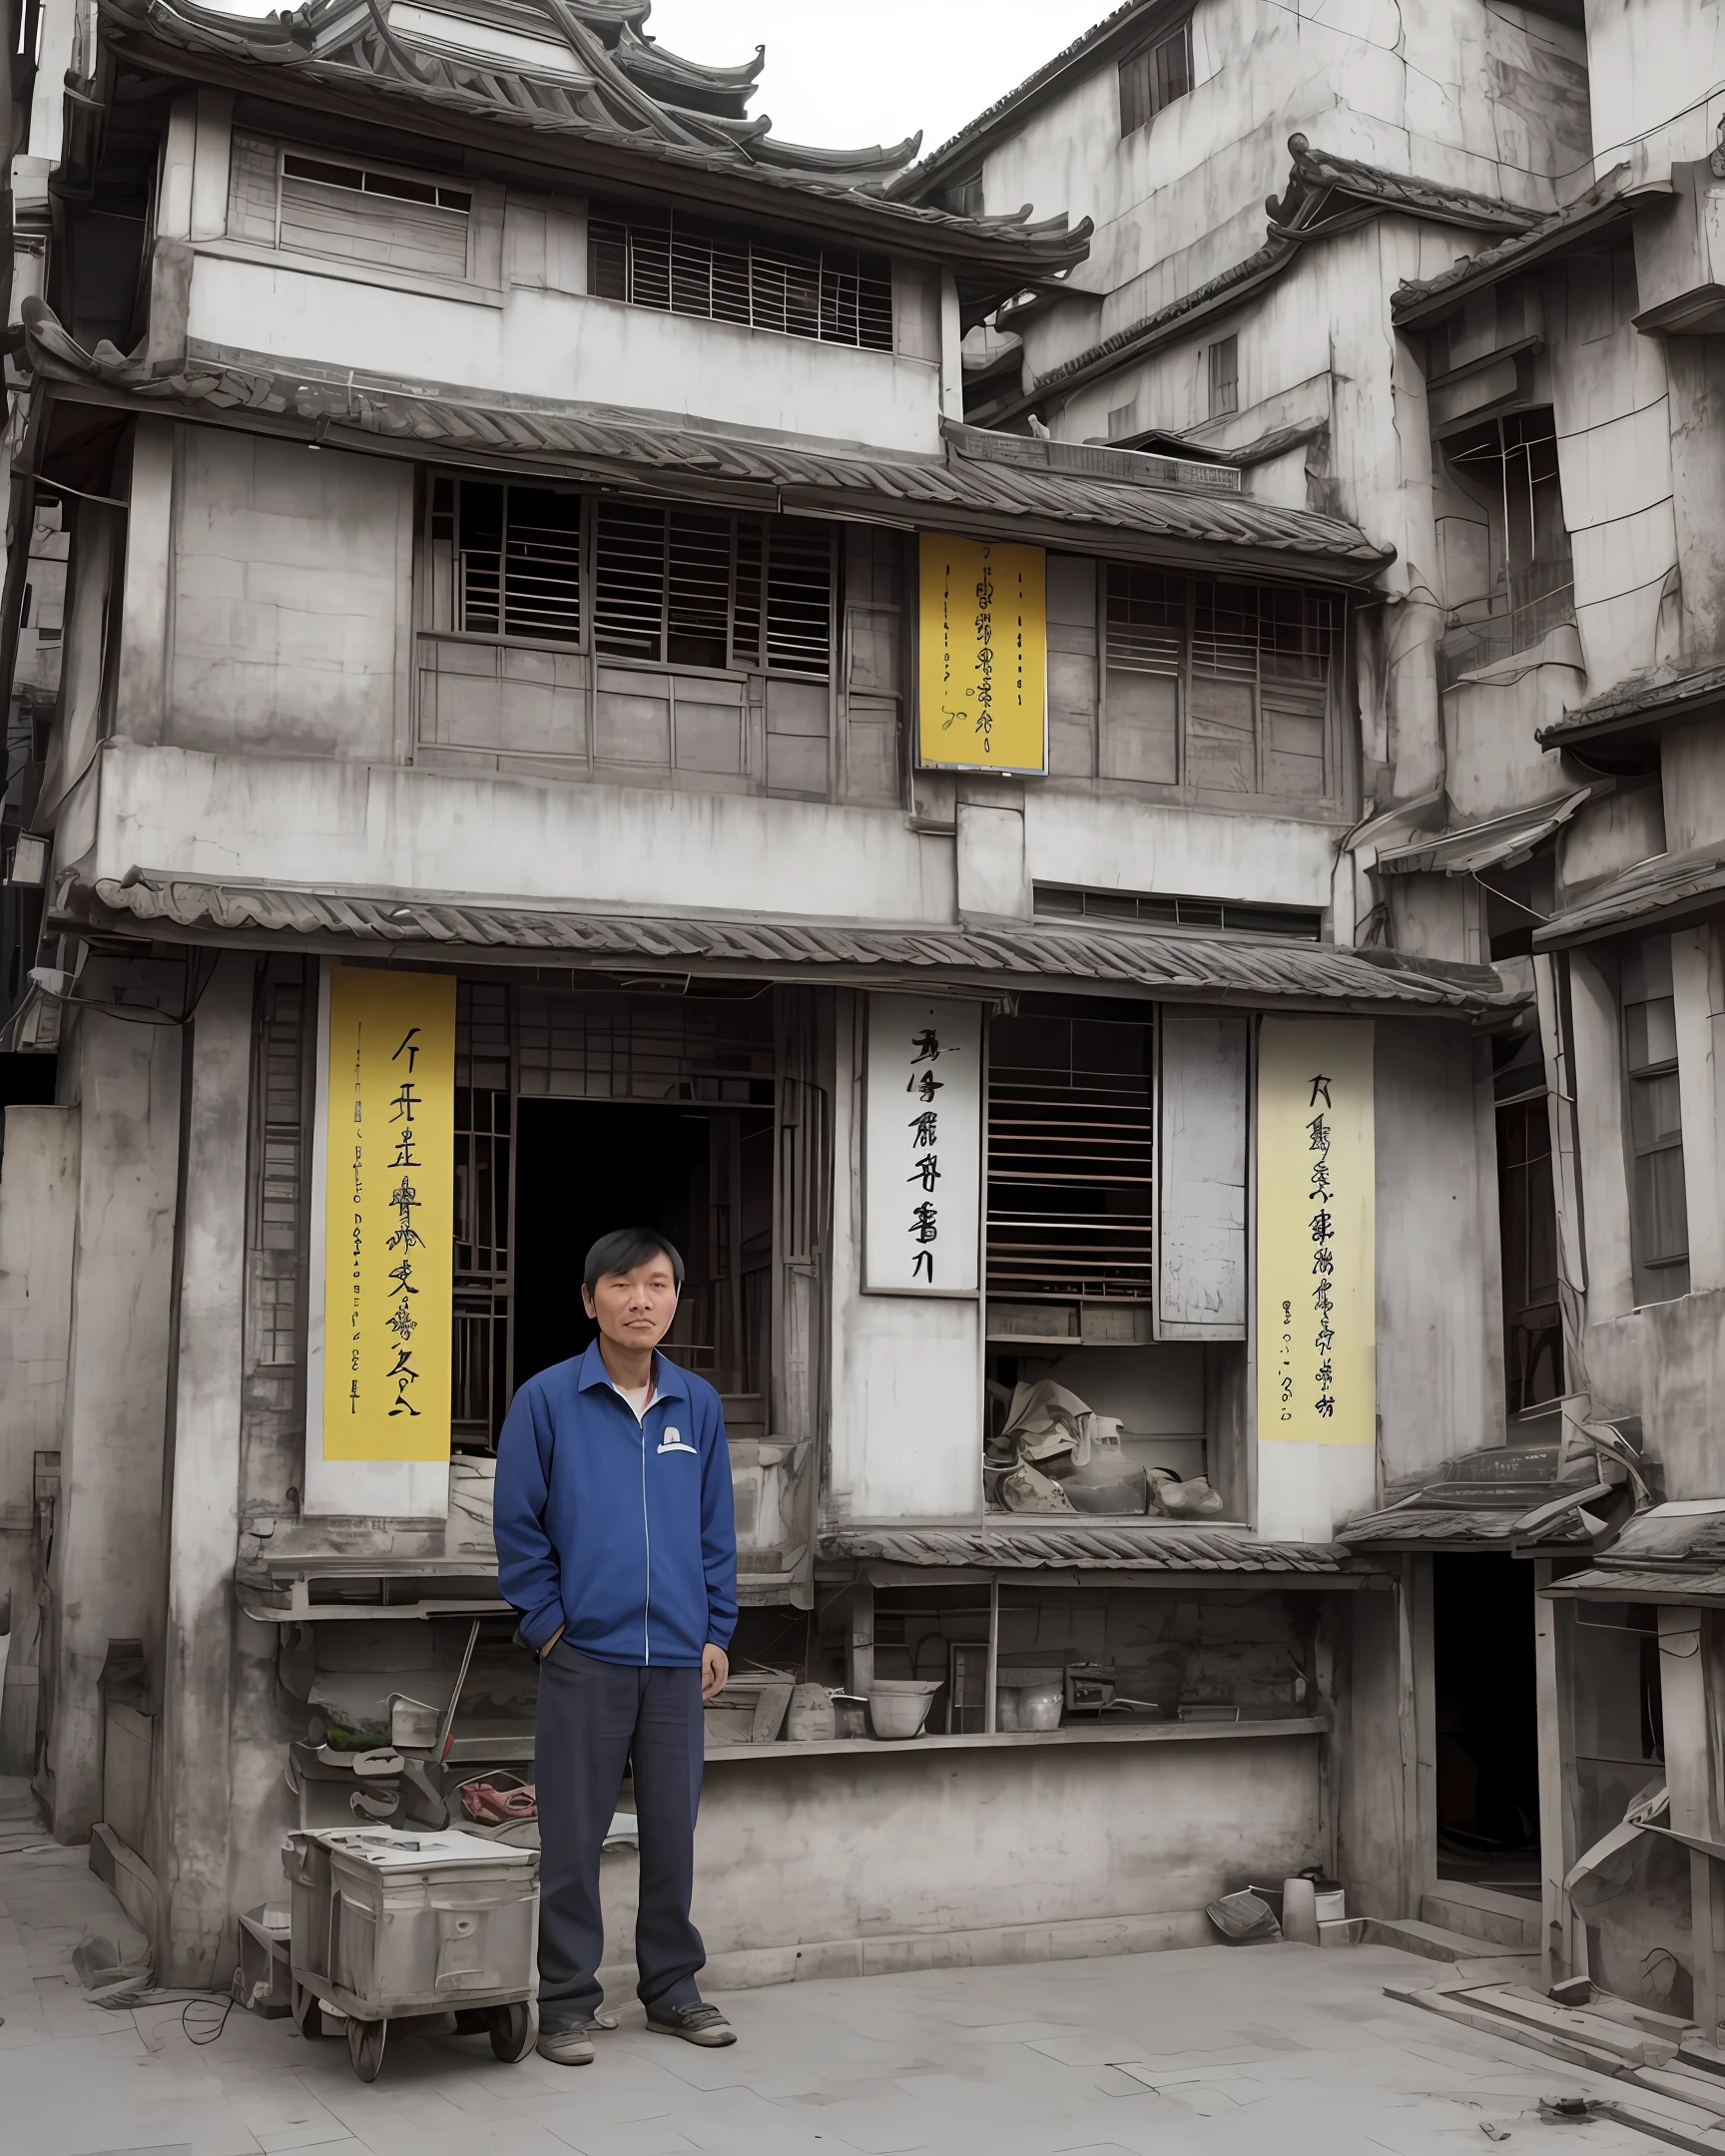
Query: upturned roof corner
x=584 y=80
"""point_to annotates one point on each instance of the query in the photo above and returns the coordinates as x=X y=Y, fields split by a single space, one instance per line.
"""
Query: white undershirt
x=637 y=1396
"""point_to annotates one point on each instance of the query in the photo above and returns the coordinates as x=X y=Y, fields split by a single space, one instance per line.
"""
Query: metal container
x=387 y=1924
x=1039 y=1707
x=898 y=1706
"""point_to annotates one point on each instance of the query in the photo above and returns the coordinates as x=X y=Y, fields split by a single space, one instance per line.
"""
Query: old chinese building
x=689 y=749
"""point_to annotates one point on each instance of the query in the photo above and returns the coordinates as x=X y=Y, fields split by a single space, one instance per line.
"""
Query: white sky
x=840 y=75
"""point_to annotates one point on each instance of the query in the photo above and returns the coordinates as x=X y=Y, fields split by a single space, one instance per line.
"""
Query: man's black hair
x=626 y=1248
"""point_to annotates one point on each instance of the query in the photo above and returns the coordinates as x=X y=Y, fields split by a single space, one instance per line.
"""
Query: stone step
x=1457 y=2006
x=1414 y=1936
x=1502 y=1920
x=1631 y=2045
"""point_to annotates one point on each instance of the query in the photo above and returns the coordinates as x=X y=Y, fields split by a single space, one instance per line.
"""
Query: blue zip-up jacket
x=621 y=1532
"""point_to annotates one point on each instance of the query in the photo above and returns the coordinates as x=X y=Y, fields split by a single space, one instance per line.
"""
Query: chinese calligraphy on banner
x=923 y=1147
x=389 y=1191
x=983 y=641
x=1317 y=1271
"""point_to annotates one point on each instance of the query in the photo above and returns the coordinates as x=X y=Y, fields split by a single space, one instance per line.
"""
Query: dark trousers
x=595 y=1719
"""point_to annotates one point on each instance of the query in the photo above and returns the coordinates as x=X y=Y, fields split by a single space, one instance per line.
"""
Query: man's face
x=635 y=1309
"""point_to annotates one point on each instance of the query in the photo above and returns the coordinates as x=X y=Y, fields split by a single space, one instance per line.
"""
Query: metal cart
x=389 y=1924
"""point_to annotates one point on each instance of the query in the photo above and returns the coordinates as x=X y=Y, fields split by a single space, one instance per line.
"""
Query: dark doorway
x=702 y=1176
x=1486 y=1689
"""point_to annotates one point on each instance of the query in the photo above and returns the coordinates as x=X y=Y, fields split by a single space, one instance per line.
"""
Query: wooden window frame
x=1654 y=1277
x=1185 y=671
x=1222 y=366
x=708 y=272
x=785 y=558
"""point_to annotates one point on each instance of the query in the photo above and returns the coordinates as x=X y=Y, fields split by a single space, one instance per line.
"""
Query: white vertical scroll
x=923 y=1147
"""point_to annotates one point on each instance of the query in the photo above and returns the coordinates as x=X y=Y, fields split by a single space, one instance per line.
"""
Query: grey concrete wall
x=291 y=593
x=192 y=1819
x=38 y=1195
x=106 y=1576
x=793 y=1851
x=1375 y=1793
x=1439 y=1359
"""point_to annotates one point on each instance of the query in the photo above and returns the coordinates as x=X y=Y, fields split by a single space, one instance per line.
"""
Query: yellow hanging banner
x=983 y=655
x=389 y=1214
x=1316 y=1224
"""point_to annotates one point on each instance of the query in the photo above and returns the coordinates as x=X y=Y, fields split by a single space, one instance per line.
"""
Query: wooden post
x=1689 y=1777
x=860 y=1657
x=1554 y=1643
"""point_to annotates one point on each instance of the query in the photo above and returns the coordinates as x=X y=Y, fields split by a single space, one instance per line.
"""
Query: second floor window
x=1508 y=474
x=689 y=266
x=667 y=585
x=1223 y=376
x=361 y=213
x=1221 y=687
x=1154 y=78
x=1527 y=1226
x=1658 y=1206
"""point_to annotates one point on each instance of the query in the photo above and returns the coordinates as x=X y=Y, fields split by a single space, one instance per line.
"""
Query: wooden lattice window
x=1071 y=1189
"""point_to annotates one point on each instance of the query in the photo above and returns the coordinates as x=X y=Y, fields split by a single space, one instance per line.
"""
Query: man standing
x=617 y=1543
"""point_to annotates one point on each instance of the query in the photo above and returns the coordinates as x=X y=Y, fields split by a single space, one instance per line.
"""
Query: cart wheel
x=472 y=2020
x=365 y=2046
x=512 y=2032
x=307 y=2015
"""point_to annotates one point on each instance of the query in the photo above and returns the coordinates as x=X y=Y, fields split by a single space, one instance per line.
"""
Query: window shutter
x=1200 y=1176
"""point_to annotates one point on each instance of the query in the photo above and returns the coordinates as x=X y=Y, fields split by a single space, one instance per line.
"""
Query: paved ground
x=1253 y=2051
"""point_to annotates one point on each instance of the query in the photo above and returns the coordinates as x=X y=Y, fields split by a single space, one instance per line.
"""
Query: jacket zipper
x=647 y=1538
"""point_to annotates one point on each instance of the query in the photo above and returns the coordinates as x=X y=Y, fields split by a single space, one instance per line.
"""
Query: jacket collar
x=667 y=1378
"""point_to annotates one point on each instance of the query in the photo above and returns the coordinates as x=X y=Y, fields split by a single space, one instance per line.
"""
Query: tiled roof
x=1325 y=194
x=1665 y=1555
x=1630 y=1583
x=1496 y=1497
x=1664 y=889
x=1667 y=1534
x=1424 y=1526
x=1042 y=78
x=1214 y=969
x=604 y=83
x=1086 y=1549
x=963 y=490
x=1660 y=701
x=1420 y=299
x=1493 y=842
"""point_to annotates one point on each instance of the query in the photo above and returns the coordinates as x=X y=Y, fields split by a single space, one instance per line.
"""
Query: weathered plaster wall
x=38 y=1202
x=567 y=347
x=1376 y=1856
x=192 y=1813
x=1115 y=844
x=1183 y=198
x=1439 y=1356
x=332 y=823
x=292 y=597
x=106 y=1578
x=827 y=1852
x=1656 y=80
x=1615 y=460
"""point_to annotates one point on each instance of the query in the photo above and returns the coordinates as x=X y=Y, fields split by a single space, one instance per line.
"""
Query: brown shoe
x=696 y=2025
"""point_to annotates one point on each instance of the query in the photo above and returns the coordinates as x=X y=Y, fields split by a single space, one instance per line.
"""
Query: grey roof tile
x=1196 y=967
x=962 y=489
